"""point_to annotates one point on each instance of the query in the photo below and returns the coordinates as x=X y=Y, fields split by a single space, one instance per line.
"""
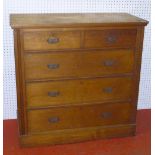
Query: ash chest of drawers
x=77 y=76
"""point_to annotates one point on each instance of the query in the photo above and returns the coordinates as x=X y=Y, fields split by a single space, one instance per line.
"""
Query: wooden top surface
x=74 y=19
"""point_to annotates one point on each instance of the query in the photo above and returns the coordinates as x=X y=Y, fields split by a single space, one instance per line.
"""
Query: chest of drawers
x=77 y=76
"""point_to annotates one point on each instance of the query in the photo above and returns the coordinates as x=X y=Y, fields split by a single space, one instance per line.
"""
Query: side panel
x=137 y=67
x=20 y=84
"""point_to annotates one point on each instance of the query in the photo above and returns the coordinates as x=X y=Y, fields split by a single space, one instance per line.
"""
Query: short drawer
x=78 y=91
x=50 y=40
x=79 y=117
x=78 y=64
x=110 y=38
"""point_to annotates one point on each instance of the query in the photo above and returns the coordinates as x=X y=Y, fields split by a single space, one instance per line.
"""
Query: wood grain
x=78 y=91
x=20 y=85
x=110 y=38
x=38 y=40
x=74 y=20
x=77 y=76
x=79 y=117
x=78 y=64
x=77 y=135
x=137 y=67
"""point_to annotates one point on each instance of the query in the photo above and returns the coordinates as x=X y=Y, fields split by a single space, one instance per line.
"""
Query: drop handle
x=53 y=40
x=111 y=39
x=53 y=93
x=106 y=114
x=53 y=66
x=53 y=119
x=108 y=90
x=108 y=62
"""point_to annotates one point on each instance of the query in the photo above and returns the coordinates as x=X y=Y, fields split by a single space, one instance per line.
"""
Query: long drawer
x=76 y=64
x=78 y=91
x=79 y=117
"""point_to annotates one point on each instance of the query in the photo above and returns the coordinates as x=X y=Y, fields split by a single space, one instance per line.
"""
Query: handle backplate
x=53 y=40
x=106 y=114
x=53 y=66
x=111 y=39
x=53 y=93
x=108 y=90
x=53 y=119
x=108 y=62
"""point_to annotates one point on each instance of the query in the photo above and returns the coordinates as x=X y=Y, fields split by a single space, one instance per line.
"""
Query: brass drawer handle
x=111 y=39
x=106 y=114
x=108 y=89
x=53 y=40
x=53 y=66
x=108 y=62
x=53 y=93
x=53 y=120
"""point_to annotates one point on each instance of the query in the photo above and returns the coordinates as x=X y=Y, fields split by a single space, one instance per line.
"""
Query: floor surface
x=137 y=145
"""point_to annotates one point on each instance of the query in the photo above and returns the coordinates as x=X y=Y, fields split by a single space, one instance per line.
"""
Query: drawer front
x=75 y=64
x=110 y=38
x=79 y=117
x=78 y=91
x=50 y=40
